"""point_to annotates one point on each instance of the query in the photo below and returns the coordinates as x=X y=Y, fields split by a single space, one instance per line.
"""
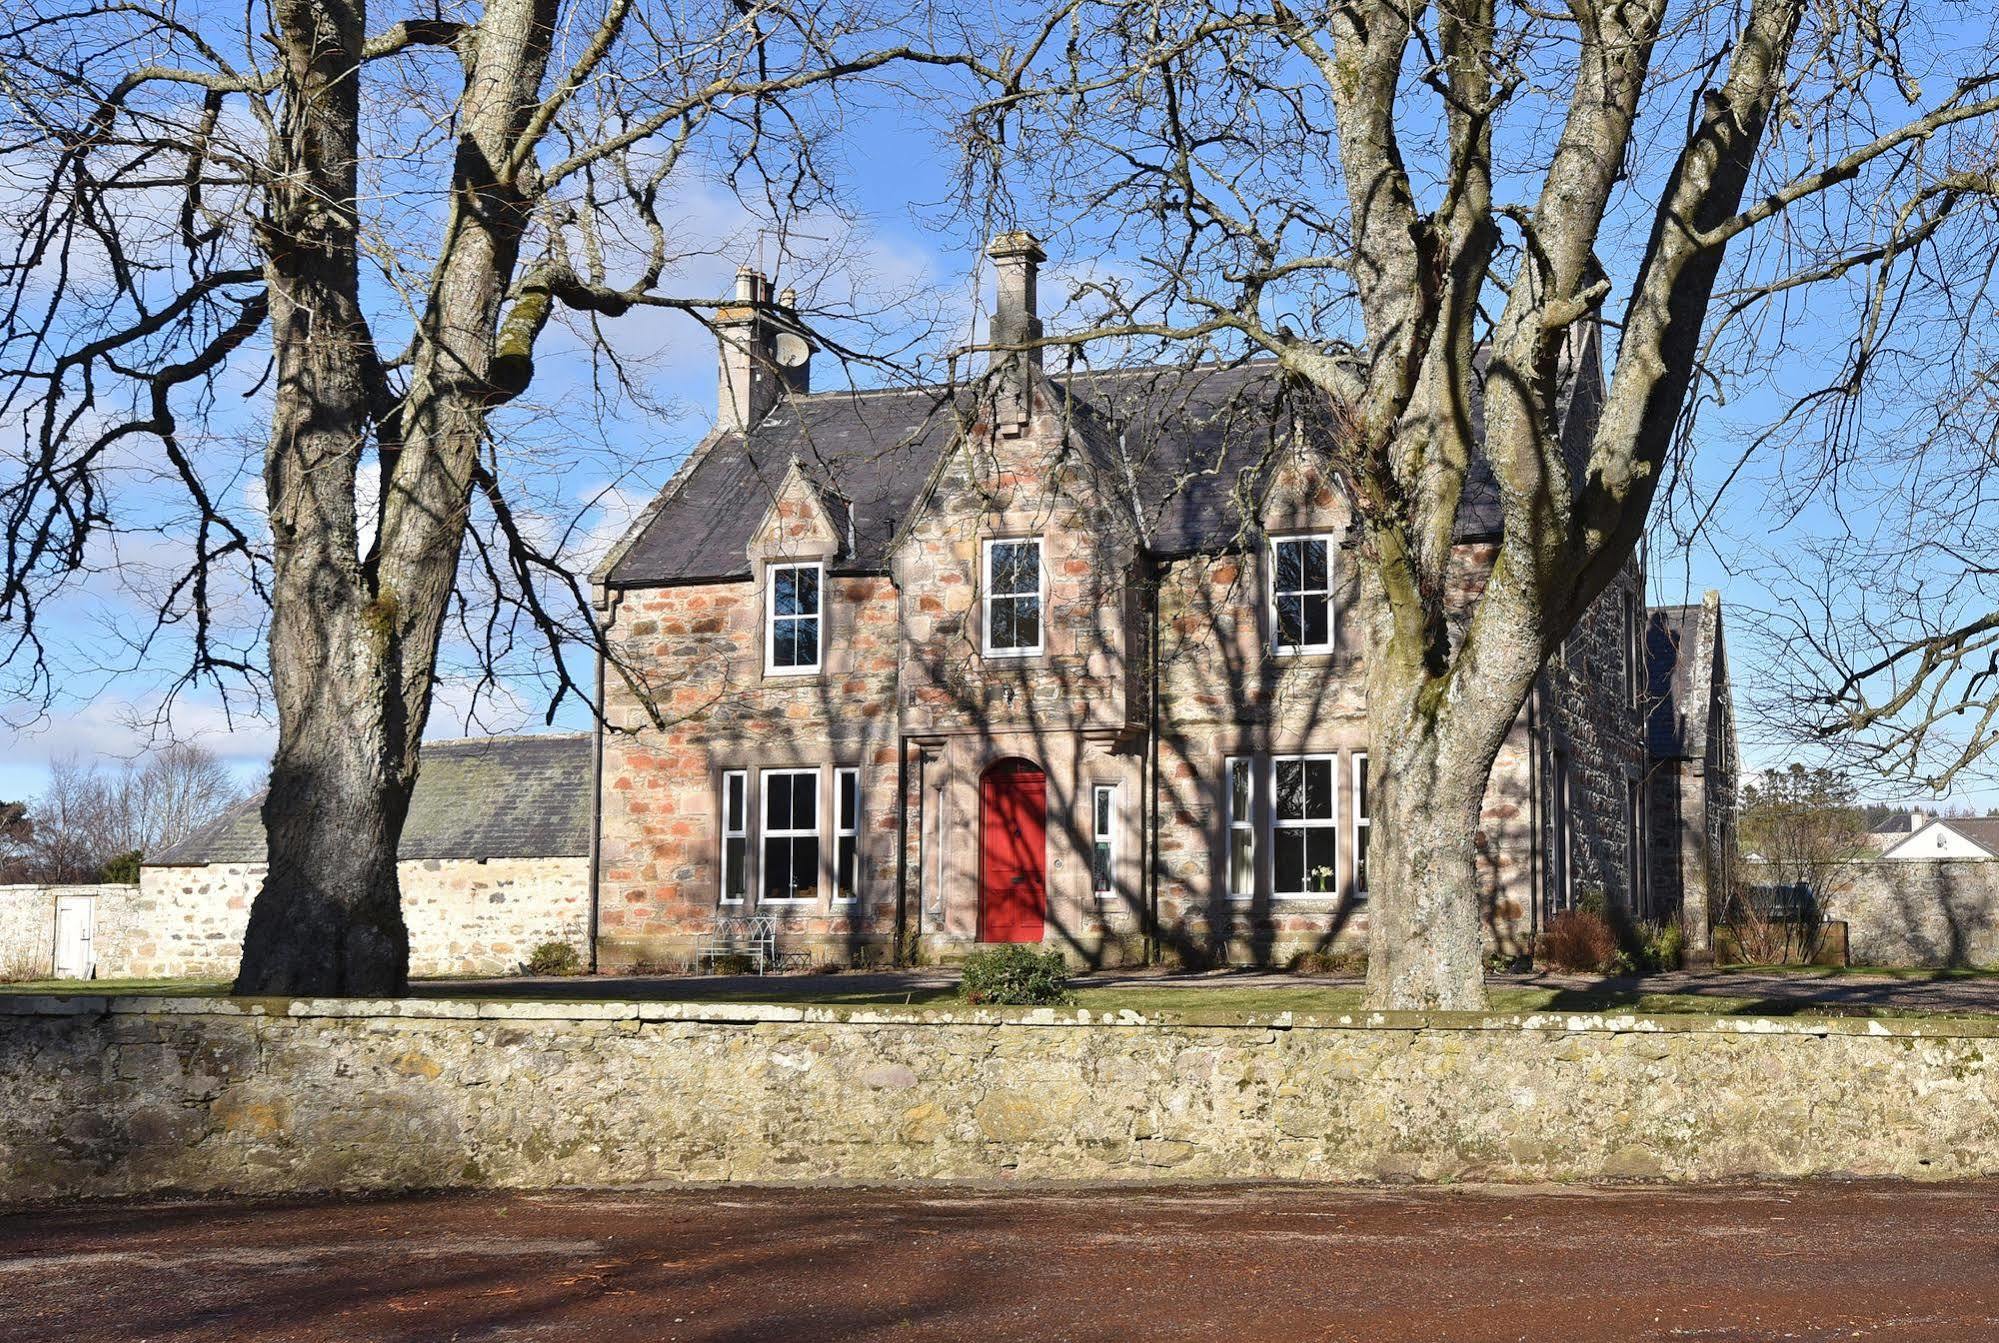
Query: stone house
x=1062 y=657
x=1692 y=774
x=495 y=860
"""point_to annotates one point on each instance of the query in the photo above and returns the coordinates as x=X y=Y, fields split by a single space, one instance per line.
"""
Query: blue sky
x=897 y=239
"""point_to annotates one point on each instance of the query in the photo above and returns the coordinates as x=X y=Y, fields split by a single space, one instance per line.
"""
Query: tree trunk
x=1439 y=706
x=328 y=918
x=1426 y=949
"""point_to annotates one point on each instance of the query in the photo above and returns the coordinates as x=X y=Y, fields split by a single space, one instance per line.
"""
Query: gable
x=802 y=522
x=1943 y=839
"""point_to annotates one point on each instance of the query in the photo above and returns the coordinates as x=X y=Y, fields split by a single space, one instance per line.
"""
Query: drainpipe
x=899 y=953
x=596 y=808
x=1152 y=948
x=1534 y=837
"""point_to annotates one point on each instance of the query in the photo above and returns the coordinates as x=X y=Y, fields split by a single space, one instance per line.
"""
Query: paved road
x=1817 y=1262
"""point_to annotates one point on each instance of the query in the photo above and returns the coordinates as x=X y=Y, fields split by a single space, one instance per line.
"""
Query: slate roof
x=1682 y=656
x=478 y=797
x=1184 y=443
x=1897 y=823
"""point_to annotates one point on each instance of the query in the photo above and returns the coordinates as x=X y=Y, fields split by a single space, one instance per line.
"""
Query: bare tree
x=1425 y=213
x=174 y=792
x=72 y=818
x=366 y=227
x=1802 y=831
x=89 y=817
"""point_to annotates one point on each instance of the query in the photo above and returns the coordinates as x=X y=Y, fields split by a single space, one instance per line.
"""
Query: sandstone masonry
x=132 y=1096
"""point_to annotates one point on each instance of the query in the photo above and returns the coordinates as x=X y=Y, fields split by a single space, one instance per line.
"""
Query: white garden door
x=76 y=927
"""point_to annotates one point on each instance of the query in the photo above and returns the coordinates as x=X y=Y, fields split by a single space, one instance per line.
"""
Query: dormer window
x=792 y=637
x=1013 y=598
x=1301 y=594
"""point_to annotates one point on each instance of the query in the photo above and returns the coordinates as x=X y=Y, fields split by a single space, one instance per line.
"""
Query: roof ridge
x=1206 y=366
x=434 y=744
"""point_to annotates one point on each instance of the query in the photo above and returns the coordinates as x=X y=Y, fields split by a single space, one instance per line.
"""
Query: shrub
x=553 y=958
x=20 y=969
x=121 y=870
x=1329 y=963
x=1664 y=945
x=1578 y=940
x=1015 y=976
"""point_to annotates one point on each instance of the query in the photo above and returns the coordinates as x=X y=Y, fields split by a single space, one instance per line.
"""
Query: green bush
x=553 y=958
x=122 y=870
x=1015 y=977
x=1665 y=944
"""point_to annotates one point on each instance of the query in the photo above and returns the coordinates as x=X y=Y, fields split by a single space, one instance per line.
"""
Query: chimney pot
x=1017 y=257
x=763 y=354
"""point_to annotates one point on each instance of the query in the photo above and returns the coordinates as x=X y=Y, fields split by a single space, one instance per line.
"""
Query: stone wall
x=1919 y=912
x=142 y=1096
x=28 y=922
x=465 y=916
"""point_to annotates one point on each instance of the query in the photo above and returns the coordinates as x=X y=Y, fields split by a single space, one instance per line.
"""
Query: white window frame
x=1277 y=645
x=1103 y=830
x=986 y=596
x=742 y=832
x=771 y=617
x=765 y=834
x=1331 y=823
x=1363 y=823
x=846 y=834
x=1238 y=824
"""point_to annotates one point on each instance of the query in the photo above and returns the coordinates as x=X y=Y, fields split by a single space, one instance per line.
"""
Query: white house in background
x=1949 y=837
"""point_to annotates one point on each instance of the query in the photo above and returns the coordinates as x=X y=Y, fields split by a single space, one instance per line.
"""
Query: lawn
x=1305 y=997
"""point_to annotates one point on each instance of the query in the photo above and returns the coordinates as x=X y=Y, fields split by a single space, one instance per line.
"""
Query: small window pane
x=1290 y=620
x=1242 y=861
x=1318 y=625
x=1289 y=854
x=804 y=802
x=1321 y=859
x=843 y=876
x=849 y=788
x=735 y=862
x=791 y=868
x=1314 y=566
x=732 y=817
x=1290 y=567
x=777 y=805
x=1319 y=800
x=1290 y=793
x=1239 y=797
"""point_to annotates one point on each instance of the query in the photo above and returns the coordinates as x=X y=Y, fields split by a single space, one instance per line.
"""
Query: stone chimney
x=765 y=352
x=1017 y=257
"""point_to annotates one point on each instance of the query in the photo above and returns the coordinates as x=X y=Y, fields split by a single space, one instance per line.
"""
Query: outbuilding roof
x=477 y=797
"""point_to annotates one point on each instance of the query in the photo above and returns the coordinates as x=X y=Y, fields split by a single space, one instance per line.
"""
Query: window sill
x=1320 y=897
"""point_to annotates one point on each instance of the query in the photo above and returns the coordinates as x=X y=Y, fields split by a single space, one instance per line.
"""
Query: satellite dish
x=793 y=350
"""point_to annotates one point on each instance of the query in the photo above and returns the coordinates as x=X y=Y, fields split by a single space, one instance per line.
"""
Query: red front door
x=1013 y=853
